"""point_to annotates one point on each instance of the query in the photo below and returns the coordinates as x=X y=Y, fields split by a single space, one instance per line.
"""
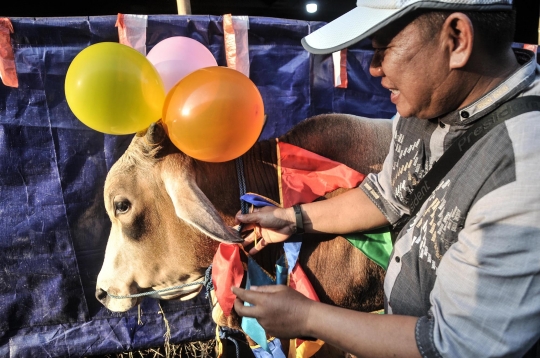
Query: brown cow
x=169 y=212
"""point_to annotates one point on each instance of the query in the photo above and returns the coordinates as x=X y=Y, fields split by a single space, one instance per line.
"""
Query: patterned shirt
x=468 y=263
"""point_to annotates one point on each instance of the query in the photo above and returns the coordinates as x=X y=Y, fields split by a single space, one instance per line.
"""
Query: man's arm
x=285 y=313
x=349 y=212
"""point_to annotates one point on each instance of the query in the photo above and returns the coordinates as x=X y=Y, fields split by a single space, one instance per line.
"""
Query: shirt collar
x=506 y=90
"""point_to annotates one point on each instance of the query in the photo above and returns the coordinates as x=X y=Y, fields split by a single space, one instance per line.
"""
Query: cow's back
x=358 y=142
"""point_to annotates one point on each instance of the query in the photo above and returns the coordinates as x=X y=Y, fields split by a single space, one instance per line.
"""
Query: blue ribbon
x=256 y=276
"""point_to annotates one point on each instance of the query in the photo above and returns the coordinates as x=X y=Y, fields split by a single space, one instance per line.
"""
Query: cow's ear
x=192 y=206
x=155 y=134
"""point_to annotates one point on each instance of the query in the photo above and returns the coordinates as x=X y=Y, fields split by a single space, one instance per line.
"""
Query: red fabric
x=305 y=176
x=343 y=71
x=229 y=41
x=122 y=30
x=227 y=271
x=299 y=282
x=8 y=71
x=531 y=47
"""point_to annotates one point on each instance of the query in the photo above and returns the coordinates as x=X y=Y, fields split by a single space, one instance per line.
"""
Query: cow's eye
x=121 y=207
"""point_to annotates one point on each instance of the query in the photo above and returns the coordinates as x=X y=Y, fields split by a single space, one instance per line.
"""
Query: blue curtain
x=53 y=226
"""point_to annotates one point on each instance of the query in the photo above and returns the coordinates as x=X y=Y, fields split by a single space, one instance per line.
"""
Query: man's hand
x=282 y=311
x=285 y=313
x=269 y=225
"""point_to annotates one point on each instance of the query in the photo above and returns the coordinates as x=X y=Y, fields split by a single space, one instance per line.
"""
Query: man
x=464 y=276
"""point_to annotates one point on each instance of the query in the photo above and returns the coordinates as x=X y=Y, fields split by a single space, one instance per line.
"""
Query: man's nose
x=375 y=68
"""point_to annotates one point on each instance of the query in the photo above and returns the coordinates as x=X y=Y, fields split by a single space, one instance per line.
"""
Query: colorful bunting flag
x=375 y=244
x=8 y=70
x=303 y=176
x=227 y=271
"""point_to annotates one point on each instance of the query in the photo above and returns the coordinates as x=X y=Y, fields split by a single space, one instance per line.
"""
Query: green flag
x=375 y=244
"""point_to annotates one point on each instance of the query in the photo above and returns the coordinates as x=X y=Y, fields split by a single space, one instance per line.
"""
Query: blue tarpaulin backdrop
x=53 y=226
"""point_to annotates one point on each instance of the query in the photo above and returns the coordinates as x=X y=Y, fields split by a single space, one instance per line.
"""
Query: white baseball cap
x=370 y=16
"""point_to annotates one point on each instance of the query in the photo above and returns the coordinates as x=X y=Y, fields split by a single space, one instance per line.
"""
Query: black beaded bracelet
x=299 y=219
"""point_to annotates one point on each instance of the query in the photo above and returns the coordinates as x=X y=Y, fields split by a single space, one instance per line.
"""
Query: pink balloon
x=176 y=57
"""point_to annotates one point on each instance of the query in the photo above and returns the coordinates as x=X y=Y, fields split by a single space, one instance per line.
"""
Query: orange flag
x=8 y=71
x=227 y=271
x=305 y=176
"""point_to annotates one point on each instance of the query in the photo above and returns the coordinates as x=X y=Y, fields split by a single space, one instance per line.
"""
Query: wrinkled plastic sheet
x=53 y=226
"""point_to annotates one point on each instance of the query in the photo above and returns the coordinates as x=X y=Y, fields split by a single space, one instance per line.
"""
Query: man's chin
x=409 y=113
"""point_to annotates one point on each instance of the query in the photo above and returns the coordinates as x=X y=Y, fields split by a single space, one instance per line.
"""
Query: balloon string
x=244 y=207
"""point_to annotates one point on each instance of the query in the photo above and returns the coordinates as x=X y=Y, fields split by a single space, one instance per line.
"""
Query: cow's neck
x=219 y=181
x=260 y=169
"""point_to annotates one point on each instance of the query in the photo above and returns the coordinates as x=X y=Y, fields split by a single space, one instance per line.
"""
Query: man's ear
x=459 y=33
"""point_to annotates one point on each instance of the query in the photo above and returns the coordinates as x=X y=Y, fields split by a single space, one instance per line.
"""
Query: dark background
x=528 y=11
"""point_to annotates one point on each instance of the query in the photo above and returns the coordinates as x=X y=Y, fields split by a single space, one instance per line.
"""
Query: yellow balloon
x=114 y=89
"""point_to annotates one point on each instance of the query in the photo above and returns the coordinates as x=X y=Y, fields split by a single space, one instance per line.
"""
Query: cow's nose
x=101 y=295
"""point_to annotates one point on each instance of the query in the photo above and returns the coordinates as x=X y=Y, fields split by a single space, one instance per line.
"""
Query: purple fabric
x=53 y=226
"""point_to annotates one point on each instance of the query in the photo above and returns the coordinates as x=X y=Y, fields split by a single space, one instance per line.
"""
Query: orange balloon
x=214 y=114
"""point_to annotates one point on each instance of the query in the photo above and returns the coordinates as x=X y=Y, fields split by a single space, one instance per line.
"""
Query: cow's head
x=164 y=229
